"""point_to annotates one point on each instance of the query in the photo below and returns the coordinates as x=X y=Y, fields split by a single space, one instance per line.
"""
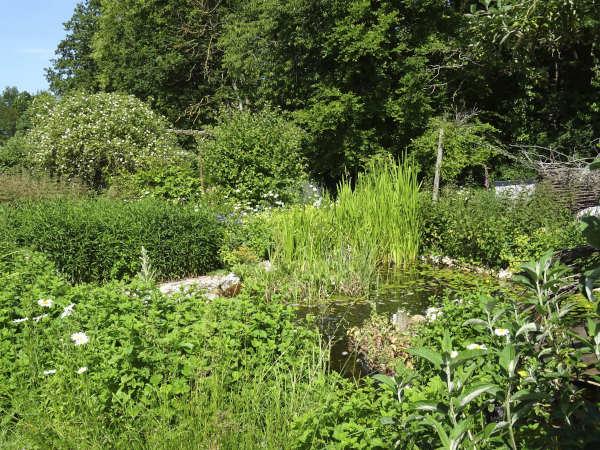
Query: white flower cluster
x=80 y=338
x=86 y=135
x=67 y=311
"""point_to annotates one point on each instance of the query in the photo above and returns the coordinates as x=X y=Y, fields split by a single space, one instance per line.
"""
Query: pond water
x=413 y=290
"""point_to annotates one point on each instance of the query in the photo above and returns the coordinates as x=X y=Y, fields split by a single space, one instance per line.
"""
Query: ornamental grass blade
x=432 y=356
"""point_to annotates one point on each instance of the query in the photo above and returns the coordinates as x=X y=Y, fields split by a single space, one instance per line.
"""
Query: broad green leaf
x=498 y=315
x=590 y=230
x=493 y=427
x=429 y=405
x=386 y=420
x=447 y=342
x=528 y=394
x=440 y=431
x=473 y=392
x=386 y=380
x=465 y=356
x=521 y=409
x=586 y=282
x=428 y=354
x=475 y=322
x=528 y=327
x=400 y=368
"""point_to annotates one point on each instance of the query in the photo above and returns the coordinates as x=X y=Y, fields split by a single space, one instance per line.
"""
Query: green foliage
x=101 y=240
x=13 y=105
x=248 y=238
x=479 y=226
x=19 y=185
x=171 y=52
x=348 y=419
x=466 y=144
x=254 y=153
x=170 y=182
x=90 y=136
x=160 y=371
x=13 y=154
x=504 y=368
x=75 y=69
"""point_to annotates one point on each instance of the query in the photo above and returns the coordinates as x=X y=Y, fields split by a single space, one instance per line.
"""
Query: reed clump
x=336 y=247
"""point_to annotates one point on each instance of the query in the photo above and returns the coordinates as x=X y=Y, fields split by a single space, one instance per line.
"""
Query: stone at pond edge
x=228 y=286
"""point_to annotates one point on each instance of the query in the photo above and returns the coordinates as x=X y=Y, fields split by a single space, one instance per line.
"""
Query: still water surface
x=412 y=290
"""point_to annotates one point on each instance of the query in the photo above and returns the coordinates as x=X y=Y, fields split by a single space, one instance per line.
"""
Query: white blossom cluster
x=85 y=136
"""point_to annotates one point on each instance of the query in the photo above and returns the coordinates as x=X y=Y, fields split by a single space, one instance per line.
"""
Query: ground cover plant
x=124 y=366
x=100 y=240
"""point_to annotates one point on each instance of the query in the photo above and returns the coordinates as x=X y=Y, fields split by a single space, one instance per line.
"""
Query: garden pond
x=412 y=289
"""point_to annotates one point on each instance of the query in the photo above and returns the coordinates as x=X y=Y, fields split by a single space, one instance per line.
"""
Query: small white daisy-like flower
x=501 y=332
x=454 y=354
x=20 y=320
x=47 y=303
x=80 y=371
x=477 y=347
x=80 y=338
x=37 y=319
x=49 y=372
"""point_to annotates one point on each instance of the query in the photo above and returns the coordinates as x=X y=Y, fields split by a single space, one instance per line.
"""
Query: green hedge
x=100 y=240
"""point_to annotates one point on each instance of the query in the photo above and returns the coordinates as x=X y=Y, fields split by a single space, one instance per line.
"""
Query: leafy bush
x=13 y=154
x=102 y=240
x=248 y=238
x=254 y=153
x=88 y=136
x=172 y=182
x=481 y=227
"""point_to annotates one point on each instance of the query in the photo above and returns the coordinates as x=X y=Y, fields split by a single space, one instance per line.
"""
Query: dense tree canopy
x=13 y=105
x=362 y=77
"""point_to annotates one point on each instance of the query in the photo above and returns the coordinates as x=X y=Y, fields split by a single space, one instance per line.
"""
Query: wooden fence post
x=438 y=164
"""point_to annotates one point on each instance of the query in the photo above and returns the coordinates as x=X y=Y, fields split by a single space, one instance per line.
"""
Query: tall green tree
x=75 y=69
x=148 y=48
x=13 y=105
x=360 y=76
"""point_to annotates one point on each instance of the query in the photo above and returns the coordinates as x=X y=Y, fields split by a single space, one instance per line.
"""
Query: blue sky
x=30 y=31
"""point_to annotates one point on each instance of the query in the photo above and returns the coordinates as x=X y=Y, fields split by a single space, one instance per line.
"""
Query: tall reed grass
x=337 y=247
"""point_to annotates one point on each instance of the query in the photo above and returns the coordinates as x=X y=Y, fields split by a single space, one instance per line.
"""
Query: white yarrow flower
x=37 y=319
x=501 y=332
x=454 y=354
x=49 y=372
x=20 y=320
x=477 y=347
x=47 y=303
x=80 y=371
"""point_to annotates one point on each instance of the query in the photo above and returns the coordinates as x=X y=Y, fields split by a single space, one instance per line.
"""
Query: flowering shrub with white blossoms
x=90 y=136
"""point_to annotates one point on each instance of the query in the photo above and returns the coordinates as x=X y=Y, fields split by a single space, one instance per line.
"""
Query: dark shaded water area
x=413 y=290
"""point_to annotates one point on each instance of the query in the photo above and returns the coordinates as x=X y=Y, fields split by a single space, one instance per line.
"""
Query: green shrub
x=89 y=136
x=102 y=240
x=481 y=227
x=254 y=153
x=172 y=182
x=13 y=154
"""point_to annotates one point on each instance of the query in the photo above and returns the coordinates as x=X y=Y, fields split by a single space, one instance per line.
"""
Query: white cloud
x=43 y=53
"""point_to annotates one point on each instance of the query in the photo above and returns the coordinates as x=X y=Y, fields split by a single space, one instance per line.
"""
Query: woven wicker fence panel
x=579 y=193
